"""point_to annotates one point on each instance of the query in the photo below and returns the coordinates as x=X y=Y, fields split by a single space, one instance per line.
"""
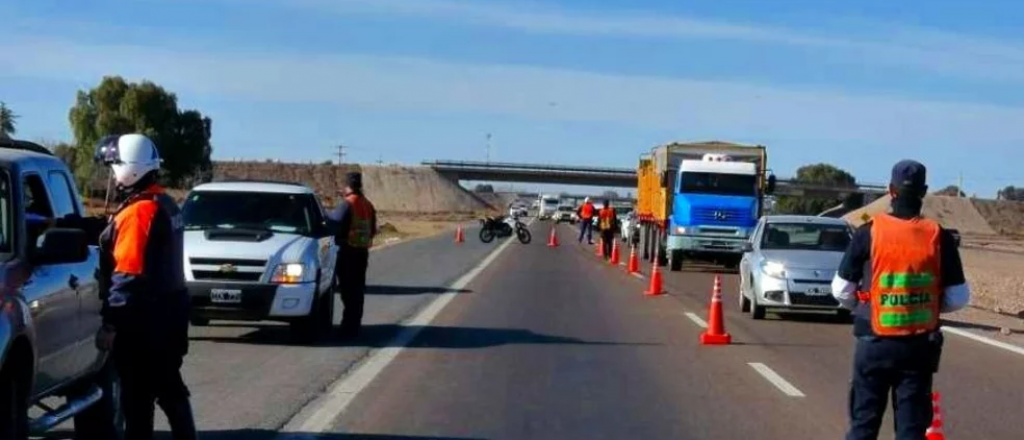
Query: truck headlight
x=773 y=269
x=681 y=230
x=290 y=273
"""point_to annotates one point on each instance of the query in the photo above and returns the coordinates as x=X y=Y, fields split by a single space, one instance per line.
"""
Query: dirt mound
x=391 y=188
x=1004 y=216
x=951 y=212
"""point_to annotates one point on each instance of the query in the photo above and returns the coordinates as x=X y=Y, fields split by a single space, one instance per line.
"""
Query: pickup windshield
x=807 y=237
x=718 y=184
x=289 y=213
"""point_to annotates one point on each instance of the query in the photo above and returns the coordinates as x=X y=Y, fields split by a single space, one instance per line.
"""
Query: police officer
x=145 y=311
x=357 y=225
x=586 y=215
x=606 y=224
x=899 y=273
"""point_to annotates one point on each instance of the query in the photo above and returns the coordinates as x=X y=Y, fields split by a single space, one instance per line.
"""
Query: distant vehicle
x=548 y=206
x=518 y=210
x=260 y=251
x=701 y=200
x=565 y=214
x=629 y=228
x=789 y=263
x=50 y=307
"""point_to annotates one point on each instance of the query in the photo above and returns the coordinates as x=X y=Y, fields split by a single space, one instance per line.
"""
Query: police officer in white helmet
x=145 y=311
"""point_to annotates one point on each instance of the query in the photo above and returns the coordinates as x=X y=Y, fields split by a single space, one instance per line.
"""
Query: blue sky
x=857 y=84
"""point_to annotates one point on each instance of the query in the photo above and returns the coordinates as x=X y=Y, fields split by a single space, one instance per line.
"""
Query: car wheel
x=105 y=418
x=844 y=315
x=744 y=302
x=756 y=312
x=320 y=319
x=13 y=407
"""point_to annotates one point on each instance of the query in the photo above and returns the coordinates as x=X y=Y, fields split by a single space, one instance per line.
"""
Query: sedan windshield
x=291 y=213
x=805 y=236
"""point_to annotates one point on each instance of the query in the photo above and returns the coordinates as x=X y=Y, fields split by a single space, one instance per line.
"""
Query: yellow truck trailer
x=700 y=200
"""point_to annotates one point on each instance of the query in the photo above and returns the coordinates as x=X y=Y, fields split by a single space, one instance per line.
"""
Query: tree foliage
x=951 y=190
x=116 y=106
x=816 y=174
x=1011 y=193
x=610 y=194
x=8 y=121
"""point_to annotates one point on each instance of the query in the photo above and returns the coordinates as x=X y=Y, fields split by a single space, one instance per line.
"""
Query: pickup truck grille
x=227 y=269
x=720 y=216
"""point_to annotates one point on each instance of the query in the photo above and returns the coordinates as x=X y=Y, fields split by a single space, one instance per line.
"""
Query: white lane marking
x=984 y=340
x=773 y=377
x=696 y=319
x=638 y=275
x=318 y=415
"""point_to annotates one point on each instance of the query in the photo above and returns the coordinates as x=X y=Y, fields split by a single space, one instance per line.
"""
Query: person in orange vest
x=899 y=273
x=606 y=224
x=586 y=215
x=357 y=225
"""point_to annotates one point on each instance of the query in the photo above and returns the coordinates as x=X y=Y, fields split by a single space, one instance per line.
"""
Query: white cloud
x=695 y=108
x=938 y=53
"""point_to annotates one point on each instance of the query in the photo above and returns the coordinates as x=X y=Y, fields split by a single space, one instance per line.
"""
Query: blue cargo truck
x=701 y=201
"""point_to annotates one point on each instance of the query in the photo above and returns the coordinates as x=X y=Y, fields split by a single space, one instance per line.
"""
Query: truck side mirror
x=771 y=184
x=61 y=246
x=747 y=247
x=664 y=179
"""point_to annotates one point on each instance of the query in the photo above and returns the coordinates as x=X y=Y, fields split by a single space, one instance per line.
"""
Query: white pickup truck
x=260 y=251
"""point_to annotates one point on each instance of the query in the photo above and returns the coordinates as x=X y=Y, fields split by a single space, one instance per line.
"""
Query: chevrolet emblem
x=228 y=268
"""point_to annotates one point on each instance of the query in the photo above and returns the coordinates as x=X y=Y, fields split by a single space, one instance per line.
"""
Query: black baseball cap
x=909 y=174
x=354 y=180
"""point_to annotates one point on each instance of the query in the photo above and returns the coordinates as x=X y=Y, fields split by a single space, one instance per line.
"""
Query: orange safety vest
x=587 y=211
x=905 y=292
x=360 y=231
x=605 y=218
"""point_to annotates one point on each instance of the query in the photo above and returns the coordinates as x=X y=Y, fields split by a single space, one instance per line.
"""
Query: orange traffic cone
x=656 y=288
x=459 y=236
x=634 y=261
x=553 y=239
x=934 y=432
x=615 y=254
x=715 y=334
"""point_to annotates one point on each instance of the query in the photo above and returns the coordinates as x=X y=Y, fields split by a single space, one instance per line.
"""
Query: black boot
x=179 y=416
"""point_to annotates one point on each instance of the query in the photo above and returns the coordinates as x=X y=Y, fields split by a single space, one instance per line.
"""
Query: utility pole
x=380 y=160
x=960 y=185
x=341 y=154
x=488 y=148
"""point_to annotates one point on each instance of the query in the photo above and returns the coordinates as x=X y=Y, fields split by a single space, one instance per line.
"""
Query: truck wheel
x=662 y=258
x=104 y=419
x=676 y=261
x=198 y=322
x=13 y=406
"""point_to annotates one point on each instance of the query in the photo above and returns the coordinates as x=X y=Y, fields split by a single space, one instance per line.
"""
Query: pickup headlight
x=290 y=273
x=773 y=269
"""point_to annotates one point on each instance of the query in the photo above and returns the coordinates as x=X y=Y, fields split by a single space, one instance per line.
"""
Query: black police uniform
x=902 y=366
x=146 y=302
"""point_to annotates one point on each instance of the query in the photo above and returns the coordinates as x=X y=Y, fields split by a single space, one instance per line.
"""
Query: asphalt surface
x=551 y=343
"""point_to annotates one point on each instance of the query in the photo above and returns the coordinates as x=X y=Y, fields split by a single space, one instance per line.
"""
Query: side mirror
x=61 y=246
x=748 y=247
x=770 y=189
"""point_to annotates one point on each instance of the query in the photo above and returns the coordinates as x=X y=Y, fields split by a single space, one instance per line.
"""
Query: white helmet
x=131 y=157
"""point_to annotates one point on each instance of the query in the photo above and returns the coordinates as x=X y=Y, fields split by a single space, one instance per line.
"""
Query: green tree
x=951 y=190
x=116 y=106
x=820 y=174
x=1011 y=193
x=8 y=121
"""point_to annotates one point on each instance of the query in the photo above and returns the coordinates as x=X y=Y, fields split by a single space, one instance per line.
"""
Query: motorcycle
x=503 y=226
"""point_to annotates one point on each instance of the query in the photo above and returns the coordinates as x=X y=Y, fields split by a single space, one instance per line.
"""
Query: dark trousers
x=586 y=228
x=897 y=367
x=148 y=380
x=607 y=241
x=351 y=272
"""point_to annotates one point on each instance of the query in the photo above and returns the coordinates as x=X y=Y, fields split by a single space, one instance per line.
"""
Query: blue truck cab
x=716 y=203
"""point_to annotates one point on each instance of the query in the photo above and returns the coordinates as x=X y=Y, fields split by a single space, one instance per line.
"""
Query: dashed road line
x=318 y=415
x=638 y=275
x=984 y=340
x=773 y=377
x=696 y=319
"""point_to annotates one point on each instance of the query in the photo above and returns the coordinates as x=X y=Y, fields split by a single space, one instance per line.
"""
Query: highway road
x=550 y=343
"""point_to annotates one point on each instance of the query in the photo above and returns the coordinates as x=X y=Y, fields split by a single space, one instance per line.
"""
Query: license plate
x=226 y=296
x=818 y=291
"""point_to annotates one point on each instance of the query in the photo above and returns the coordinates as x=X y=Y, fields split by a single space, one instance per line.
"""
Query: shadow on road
x=410 y=290
x=976 y=326
x=814 y=318
x=384 y=335
x=264 y=434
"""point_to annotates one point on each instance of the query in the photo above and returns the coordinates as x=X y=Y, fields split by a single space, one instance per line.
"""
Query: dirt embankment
x=951 y=212
x=1006 y=217
x=393 y=189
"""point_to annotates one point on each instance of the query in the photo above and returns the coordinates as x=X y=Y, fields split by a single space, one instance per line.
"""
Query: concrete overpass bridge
x=622 y=178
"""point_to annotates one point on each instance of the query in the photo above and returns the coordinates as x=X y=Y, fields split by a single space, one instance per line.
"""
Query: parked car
x=789 y=263
x=260 y=251
x=50 y=305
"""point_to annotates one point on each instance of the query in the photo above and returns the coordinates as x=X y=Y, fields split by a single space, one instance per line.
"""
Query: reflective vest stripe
x=905 y=280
